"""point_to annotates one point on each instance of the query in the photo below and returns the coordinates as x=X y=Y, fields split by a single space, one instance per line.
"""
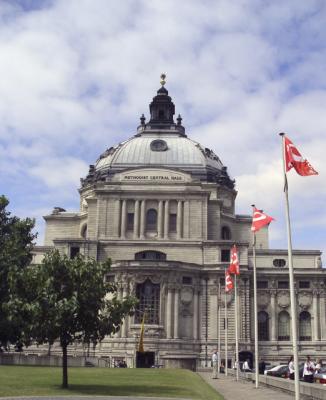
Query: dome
x=160 y=143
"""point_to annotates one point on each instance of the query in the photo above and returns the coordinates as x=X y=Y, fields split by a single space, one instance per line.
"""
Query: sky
x=75 y=76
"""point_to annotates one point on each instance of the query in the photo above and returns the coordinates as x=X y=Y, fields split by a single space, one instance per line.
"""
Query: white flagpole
x=236 y=326
x=291 y=277
x=219 y=329
x=226 y=329
x=255 y=312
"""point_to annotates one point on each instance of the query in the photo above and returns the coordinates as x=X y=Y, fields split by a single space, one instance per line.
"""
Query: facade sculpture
x=162 y=207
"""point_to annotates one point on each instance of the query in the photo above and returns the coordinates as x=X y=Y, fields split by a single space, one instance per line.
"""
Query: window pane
x=305 y=326
x=130 y=221
x=304 y=284
x=173 y=223
x=148 y=295
x=263 y=333
x=262 y=284
x=283 y=284
x=283 y=326
x=74 y=251
x=151 y=220
x=225 y=255
x=226 y=233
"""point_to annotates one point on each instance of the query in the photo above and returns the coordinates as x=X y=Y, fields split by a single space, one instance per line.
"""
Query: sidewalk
x=242 y=390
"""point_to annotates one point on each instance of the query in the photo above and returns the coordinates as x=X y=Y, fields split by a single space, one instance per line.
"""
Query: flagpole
x=236 y=326
x=219 y=329
x=226 y=329
x=291 y=278
x=255 y=311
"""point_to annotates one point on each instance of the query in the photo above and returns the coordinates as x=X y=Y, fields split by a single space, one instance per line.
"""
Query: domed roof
x=160 y=143
x=158 y=150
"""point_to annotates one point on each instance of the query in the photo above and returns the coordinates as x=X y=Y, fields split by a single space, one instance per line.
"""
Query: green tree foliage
x=16 y=243
x=74 y=302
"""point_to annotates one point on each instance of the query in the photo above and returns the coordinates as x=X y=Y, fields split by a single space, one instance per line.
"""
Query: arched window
x=151 y=220
x=263 y=328
x=148 y=294
x=283 y=326
x=225 y=233
x=305 y=326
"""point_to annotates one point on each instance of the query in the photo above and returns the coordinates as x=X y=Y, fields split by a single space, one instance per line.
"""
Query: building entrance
x=145 y=359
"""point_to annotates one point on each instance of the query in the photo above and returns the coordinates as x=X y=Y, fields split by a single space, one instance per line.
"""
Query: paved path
x=242 y=390
x=88 y=398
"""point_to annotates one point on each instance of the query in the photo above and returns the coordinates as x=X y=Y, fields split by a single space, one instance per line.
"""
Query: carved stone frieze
x=305 y=300
x=186 y=311
x=263 y=300
x=283 y=298
x=186 y=295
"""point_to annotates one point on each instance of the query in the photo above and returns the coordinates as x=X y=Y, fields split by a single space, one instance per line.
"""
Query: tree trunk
x=64 y=366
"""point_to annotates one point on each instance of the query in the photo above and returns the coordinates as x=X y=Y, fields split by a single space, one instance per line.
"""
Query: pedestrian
x=262 y=367
x=245 y=366
x=291 y=368
x=215 y=364
x=308 y=370
x=318 y=366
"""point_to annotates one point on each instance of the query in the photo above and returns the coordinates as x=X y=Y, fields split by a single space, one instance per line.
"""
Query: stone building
x=162 y=207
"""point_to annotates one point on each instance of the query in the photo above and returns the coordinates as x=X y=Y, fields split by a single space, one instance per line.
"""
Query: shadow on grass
x=129 y=390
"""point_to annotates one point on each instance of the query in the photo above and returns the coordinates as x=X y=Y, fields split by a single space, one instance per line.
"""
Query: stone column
x=142 y=219
x=136 y=220
x=322 y=315
x=124 y=327
x=273 y=316
x=176 y=314
x=169 y=314
x=160 y=219
x=123 y=219
x=179 y=220
x=118 y=334
x=118 y=219
x=195 y=315
x=166 y=219
x=315 y=315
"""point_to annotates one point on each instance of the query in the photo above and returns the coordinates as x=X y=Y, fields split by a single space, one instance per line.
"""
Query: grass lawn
x=42 y=381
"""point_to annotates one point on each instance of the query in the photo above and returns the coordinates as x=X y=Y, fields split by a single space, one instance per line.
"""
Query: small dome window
x=279 y=262
x=159 y=145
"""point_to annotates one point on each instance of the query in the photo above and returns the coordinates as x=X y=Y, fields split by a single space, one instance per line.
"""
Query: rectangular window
x=225 y=255
x=304 y=284
x=187 y=280
x=262 y=284
x=130 y=221
x=74 y=251
x=173 y=223
x=283 y=284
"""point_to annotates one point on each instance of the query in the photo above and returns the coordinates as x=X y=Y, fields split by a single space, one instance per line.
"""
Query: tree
x=74 y=302
x=16 y=243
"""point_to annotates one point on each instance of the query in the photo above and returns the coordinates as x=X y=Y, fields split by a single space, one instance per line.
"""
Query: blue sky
x=77 y=74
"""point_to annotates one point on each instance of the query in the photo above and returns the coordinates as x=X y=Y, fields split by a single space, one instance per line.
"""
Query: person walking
x=318 y=366
x=215 y=364
x=308 y=370
x=291 y=368
x=246 y=367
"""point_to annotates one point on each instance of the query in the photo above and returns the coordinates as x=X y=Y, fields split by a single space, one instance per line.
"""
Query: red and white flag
x=259 y=219
x=228 y=282
x=293 y=159
x=234 y=267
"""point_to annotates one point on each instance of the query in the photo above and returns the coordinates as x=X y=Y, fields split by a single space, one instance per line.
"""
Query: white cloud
x=75 y=77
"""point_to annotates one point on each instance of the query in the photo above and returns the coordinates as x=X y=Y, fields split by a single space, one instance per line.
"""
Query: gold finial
x=163 y=76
